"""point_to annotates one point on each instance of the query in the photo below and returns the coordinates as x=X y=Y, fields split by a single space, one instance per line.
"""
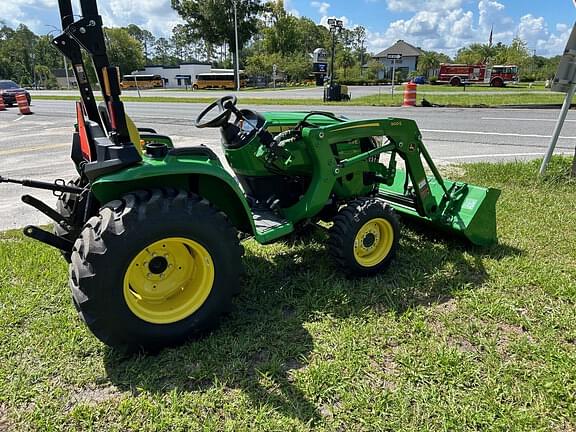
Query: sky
x=440 y=25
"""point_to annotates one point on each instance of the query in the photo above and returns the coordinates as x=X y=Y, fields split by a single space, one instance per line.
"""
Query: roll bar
x=87 y=33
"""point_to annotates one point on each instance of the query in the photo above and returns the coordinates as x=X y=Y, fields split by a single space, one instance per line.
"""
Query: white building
x=182 y=76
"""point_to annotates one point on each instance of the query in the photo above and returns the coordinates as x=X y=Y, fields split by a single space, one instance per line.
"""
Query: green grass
x=468 y=99
x=449 y=338
x=522 y=87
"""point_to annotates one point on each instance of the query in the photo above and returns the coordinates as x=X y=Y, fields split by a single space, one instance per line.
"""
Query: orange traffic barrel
x=410 y=95
x=23 y=104
x=2 y=104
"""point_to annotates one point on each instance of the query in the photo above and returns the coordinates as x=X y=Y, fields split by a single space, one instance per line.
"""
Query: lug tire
x=124 y=228
x=349 y=223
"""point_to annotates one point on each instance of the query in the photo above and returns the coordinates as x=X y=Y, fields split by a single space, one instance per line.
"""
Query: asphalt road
x=295 y=93
x=38 y=146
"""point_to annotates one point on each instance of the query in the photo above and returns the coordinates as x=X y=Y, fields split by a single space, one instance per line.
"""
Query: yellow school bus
x=222 y=80
x=141 y=82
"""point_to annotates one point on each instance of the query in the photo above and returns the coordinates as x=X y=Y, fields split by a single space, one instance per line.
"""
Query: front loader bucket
x=470 y=212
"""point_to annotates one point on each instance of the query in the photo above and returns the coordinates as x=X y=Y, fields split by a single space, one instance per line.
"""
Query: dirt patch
x=93 y=396
x=452 y=171
x=462 y=345
x=508 y=333
x=446 y=307
x=4 y=423
x=385 y=364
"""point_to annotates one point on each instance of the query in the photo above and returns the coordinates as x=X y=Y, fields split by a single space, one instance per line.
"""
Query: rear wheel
x=497 y=83
x=364 y=237
x=154 y=269
x=455 y=82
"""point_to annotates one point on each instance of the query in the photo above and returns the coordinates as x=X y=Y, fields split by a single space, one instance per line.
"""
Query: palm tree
x=346 y=60
x=430 y=61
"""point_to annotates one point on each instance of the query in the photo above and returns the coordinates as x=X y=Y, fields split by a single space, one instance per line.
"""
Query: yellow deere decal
x=359 y=126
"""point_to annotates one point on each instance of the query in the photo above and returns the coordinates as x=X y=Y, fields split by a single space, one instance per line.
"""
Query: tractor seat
x=132 y=129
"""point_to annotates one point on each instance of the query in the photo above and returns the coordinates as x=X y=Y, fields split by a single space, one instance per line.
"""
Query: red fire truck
x=496 y=76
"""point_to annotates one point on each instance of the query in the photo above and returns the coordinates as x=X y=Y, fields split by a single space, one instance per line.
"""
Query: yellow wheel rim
x=373 y=242
x=168 y=280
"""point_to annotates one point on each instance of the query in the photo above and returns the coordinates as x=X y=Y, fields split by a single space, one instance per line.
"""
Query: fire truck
x=496 y=76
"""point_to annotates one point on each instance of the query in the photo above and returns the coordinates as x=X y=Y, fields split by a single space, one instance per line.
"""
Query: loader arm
x=453 y=206
x=404 y=140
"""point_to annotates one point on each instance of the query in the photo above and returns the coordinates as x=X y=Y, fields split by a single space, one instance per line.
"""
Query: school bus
x=141 y=82
x=224 y=80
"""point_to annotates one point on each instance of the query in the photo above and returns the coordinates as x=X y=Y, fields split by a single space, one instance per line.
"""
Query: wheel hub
x=168 y=280
x=369 y=240
x=158 y=265
x=373 y=242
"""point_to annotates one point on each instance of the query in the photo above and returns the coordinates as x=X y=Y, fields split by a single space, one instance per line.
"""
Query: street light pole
x=335 y=27
x=237 y=56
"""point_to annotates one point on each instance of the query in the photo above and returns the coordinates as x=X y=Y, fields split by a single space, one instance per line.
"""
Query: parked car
x=419 y=80
x=9 y=90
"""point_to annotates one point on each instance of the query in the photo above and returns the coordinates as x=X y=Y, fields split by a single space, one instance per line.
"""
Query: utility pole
x=362 y=58
x=237 y=56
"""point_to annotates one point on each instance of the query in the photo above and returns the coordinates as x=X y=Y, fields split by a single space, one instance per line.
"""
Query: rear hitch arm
x=57 y=186
x=47 y=210
x=48 y=238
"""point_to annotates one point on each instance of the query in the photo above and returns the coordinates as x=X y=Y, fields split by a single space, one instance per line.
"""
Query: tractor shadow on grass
x=259 y=350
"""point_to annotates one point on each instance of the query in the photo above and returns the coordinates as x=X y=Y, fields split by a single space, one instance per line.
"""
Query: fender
x=199 y=174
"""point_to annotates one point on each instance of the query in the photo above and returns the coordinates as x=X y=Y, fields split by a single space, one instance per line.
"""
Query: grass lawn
x=451 y=337
x=468 y=99
x=521 y=87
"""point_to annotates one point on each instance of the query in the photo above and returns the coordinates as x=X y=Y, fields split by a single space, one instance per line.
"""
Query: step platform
x=269 y=224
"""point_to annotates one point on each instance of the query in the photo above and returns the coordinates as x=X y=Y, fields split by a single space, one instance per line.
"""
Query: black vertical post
x=97 y=46
x=332 y=61
x=71 y=50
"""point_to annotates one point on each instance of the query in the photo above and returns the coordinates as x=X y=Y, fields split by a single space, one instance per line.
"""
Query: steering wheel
x=224 y=105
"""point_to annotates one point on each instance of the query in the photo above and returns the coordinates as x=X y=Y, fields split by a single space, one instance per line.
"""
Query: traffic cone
x=410 y=95
x=23 y=104
x=2 y=105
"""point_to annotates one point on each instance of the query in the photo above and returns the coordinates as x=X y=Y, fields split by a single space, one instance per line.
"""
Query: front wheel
x=364 y=238
x=154 y=269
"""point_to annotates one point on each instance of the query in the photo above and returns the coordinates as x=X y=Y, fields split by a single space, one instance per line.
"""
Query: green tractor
x=151 y=231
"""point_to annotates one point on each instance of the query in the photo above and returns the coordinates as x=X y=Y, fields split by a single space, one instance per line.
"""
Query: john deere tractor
x=151 y=231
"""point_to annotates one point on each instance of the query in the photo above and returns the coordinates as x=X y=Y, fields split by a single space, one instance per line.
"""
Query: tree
x=476 y=53
x=374 y=68
x=123 y=50
x=346 y=60
x=163 y=52
x=359 y=42
x=213 y=20
x=143 y=36
x=516 y=53
x=430 y=61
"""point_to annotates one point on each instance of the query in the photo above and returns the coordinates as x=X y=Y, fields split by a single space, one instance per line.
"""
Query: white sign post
x=564 y=81
x=393 y=57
